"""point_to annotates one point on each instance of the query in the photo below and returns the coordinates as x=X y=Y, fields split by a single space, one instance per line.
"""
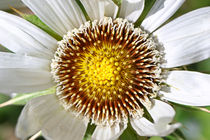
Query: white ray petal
x=161 y=11
x=108 y=132
x=60 y=15
x=145 y=128
x=22 y=37
x=188 y=88
x=131 y=9
x=46 y=114
x=162 y=114
x=22 y=74
x=186 y=39
x=11 y=60
x=97 y=9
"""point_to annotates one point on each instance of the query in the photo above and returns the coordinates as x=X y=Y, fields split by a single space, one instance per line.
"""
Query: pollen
x=107 y=71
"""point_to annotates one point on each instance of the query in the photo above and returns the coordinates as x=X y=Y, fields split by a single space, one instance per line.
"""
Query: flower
x=107 y=71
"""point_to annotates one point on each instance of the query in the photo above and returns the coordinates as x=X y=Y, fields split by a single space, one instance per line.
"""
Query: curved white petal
x=5 y=4
x=22 y=37
x=108 y=132
x=161 y=11
x=22 y=74
x=131 y=9
x=145 y=128
x=162 y=114
x=97 y=9
x=60 y=15
x=46 y=114
x=186 y=39
x=188 y=88
x=26 y=125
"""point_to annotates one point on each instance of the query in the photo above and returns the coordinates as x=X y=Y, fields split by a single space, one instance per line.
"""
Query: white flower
x=183 y=41
x=4 y=4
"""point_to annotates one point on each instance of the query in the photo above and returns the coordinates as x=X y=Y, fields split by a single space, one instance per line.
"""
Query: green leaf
x=36 y=21
x=192 y=108
x=117 y=2
x=4 y=98
x=147 y=7
x=130 y=134
x=83 y=10
x=89 y=131
x=4 y=49
x=156 y=138
x=177 y=135
x=169 y=138
x=22 y=99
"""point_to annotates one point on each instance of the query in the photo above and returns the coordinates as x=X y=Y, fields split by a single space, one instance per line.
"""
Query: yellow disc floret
x=100 y=70
x=106 y=71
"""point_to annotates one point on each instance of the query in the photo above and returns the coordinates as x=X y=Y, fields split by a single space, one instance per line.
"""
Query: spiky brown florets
x=106 y=71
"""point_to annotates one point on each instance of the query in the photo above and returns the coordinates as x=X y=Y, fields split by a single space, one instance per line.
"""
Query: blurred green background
x=196 y=124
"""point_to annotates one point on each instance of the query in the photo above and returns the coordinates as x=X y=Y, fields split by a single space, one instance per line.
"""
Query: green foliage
x=36 y=21
x=147 y=7
x=22 y=99
x=3 y=98
x=117 y=2
x=89 y=131
x=196 y=124
x=177 y=135
x=4 y=49
x=83 y=10
x=156 y=138
x=130 y=134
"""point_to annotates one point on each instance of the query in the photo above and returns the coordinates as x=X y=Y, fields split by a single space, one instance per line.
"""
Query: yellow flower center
x=106 y=71
x=102 y=71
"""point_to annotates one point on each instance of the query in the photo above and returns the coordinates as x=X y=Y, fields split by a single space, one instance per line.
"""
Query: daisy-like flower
x=106 y=71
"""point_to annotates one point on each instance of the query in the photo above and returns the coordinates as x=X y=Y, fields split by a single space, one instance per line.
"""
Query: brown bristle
x=106 y=71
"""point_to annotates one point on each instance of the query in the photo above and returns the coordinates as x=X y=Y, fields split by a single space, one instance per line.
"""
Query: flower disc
x=106 y=71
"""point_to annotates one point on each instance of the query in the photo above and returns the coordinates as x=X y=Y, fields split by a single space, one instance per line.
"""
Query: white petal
x=26 y=126
x=5 y=4
x=60 y=15
x=108 y=132
x=131 y=9
x=46 y=114
x=161 y=11
x=161 y=112
x=97 y=9
x=22 y=37
x=11 y=60
x=186 y=39
x=188 y=88
x=145 y=128
x=22 y=74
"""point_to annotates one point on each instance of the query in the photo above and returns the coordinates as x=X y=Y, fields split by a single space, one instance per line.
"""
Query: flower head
x=100 y=67
x=106 y=71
